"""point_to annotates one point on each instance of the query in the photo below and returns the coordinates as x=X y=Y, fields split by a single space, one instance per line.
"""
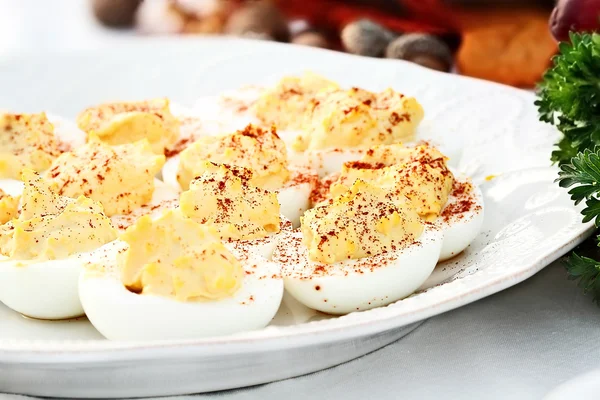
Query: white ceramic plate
x=490 y=129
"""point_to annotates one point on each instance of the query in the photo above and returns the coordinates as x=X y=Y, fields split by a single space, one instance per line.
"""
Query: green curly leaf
x=569 y=95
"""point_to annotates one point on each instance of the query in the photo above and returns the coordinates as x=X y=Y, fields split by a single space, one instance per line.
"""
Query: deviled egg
x=128 y=122
x=44 y=249
x=358 y=251
x=247 y=217
x=261 y=151
x=420 y=176
x=285 y=104
x=120 y=177
x=172 y=278
x=26 y=141
x=324 y=125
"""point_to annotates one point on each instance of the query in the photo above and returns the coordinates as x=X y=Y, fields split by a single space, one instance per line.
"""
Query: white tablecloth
x=518 y=344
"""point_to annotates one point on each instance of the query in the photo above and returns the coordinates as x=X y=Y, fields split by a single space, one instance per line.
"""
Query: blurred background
x=507 y=41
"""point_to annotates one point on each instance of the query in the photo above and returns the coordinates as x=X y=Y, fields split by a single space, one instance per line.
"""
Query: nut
x=115 y=13
x=311 y=38
x=423 y=49
x=259 y=19
x=366 y=38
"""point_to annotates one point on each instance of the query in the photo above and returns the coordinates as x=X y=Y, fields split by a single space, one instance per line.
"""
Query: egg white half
x=67 y=131
x=169 y=172
x=324 y=161
x=460 y=229
x=228 y=112
x=119 y=314
x=12 y=187
x=191 y=126
x=356 y=285
x=263 y=247
x=163 y=198
x=294 y=196
x=44 y=289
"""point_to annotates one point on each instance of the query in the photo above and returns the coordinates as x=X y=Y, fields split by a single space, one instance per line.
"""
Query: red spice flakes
x=455 y=210
x=464 y=203
x=364 y=165
x=396 y=118
x=300 y=175
x=177 y=148
x=291 y=92
x=461 y=188
x=349 y=110
x=54 y=172
x=63 y=147
x=237 y=105
x=319 y=270
x=321 y=190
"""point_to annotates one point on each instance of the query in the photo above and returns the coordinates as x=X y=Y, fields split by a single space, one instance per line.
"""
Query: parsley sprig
x=587 y=270
x=582 y=175
x=583 y=172
x=569 y=97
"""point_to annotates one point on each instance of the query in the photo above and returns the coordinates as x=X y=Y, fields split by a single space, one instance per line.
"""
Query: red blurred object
x=574 y=15
x=440 y=17
x=427 y=16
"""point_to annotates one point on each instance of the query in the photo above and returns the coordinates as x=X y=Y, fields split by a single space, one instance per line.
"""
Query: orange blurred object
x=507 y=47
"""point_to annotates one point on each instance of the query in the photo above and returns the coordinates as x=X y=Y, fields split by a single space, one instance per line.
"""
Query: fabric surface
x=518 y=344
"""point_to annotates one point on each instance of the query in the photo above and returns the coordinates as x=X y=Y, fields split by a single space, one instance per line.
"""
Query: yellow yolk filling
x=259 y=150
x=176 y=257
x=120 y=177
x=224 y=197
x=285 y=104
x=26 y=141
x=419 y=175
x=129 y=122
x=361 y=222
x=9 y=207
x=358 y=118
x=53 y=227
